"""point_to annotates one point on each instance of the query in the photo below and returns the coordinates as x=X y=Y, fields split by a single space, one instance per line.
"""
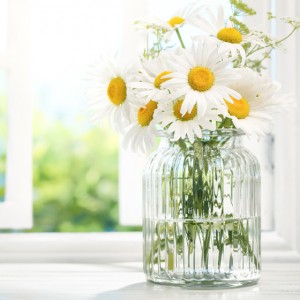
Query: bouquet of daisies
x=210 y=81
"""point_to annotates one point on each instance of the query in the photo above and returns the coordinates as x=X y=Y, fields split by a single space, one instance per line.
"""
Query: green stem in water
x=206 y=246
x=220 y=246
x=246 y=243
x=180 y=38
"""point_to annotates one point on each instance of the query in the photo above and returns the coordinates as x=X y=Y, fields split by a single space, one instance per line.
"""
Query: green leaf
x=240 y=26
x=239 y=7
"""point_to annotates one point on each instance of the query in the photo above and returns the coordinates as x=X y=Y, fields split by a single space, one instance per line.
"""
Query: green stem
x=285 y=38
x=220 y=247
x=181 y=143
x=206 y=246
x=255 y=49
x=266 y=55
x=180 y=38
x=245 y=238
x=222 y=124
x=157 y=39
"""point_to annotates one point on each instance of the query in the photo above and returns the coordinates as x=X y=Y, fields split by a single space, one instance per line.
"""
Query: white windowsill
x=99 y=247
x=109 y=266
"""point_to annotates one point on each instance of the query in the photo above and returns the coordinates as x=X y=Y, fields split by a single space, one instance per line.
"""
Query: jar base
x=204 y=283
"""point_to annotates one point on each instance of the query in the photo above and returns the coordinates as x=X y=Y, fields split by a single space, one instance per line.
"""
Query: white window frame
x=16 y=210
x=287 y=138
x=286 y=132
x=131 y=164
x=105 y=247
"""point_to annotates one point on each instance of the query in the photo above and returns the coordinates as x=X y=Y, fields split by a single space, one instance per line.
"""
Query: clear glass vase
x=201 y=212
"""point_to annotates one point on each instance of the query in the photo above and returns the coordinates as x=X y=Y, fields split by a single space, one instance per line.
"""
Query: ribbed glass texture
x=201 y=206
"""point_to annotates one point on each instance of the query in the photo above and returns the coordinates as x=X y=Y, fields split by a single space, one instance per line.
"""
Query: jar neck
x=225 y=138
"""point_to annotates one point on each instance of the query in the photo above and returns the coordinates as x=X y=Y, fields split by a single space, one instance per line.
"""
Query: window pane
x=75 y=163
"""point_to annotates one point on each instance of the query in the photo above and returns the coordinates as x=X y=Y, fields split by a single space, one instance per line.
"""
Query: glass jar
x=201 y=212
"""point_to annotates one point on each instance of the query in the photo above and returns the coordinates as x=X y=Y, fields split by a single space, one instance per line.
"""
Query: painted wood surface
x=109 y=266
x=125 y=280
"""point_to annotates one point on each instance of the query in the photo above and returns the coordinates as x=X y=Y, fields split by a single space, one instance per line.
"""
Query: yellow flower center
x=117 y=91
x=176 y=21
x=201 y=79
x=187 y=116
x=239 y=108
x=230 y=35
x=145 y=114
x=159 y=80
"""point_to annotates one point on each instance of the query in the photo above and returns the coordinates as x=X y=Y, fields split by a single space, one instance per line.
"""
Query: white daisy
x=187 y=15
x=109 y=93
x=254 y=111
x=230 y=39
x=201 y=77
x=140 y=135
x=187 y=125
x=151 y=75
x=181 y=17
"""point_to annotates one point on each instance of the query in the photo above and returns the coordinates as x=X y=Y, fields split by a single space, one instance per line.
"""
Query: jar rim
x=208 y=133
x=223 y=132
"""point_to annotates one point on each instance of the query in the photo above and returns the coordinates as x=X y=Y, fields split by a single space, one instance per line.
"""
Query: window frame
x=16 y=210
x=131 y=164
x=105 y=247
x=287 y=206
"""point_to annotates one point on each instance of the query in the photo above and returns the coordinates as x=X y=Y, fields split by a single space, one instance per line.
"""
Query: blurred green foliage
x=75 y=178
